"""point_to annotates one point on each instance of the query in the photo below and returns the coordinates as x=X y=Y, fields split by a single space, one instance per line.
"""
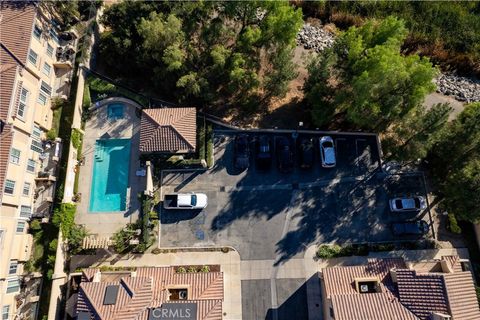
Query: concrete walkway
x=229 y=262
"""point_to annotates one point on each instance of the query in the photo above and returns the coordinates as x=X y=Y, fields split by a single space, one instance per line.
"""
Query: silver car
x=327 y=152
x=414 y=203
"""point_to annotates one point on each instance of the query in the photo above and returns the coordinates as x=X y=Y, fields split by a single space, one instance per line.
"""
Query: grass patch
x=101 y=89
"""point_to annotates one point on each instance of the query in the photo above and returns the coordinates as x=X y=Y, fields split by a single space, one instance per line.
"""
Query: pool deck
x=99 y=126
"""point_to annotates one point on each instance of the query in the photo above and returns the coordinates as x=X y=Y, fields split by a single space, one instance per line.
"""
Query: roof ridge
x=146 y=286
x=90 y=301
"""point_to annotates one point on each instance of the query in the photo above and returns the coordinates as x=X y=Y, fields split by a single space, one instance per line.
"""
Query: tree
x=413 y=137
x=454 y=161
x=461 y=191
x=365 y=77
x=457 y=143
x=203 y=51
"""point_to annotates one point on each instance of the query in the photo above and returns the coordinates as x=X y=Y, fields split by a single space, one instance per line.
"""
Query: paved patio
x=99 y=126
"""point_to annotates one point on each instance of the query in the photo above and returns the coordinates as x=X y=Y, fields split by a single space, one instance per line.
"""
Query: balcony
x=28 y=298
x=64 y=57
x=45 y=181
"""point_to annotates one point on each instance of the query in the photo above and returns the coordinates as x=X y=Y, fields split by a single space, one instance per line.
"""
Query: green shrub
x=210 y=146
x=76 y=139
x=205 y=269
x=35 y=225
x=87 y=100
x=201 y=140
x=328 y=251
x=153 y=215
x=53 y=245
x=382 y=247
x=181 y=270
x=75 y=182
x=453 y=224
x=192 y=269
x=52 y=134
x=156 y=251
x=64 y=218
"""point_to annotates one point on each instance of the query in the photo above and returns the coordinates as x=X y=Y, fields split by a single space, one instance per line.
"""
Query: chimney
x=393 y=275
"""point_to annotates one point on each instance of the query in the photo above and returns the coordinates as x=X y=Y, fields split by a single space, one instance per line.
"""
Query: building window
x=46 y=69
x=13 y=285
x=13 y=267
x=20 y=226
x=36 y=140
x=31 y=164
x=46 y=88
x=42 y=99
x=49 y=50
x=9 y=186
x=26 y=189
x=5 y=312
x=15 y=156
x=22 y=105
x=25 y=211
x=32 y=56
x=37 y=32
x=54 y=36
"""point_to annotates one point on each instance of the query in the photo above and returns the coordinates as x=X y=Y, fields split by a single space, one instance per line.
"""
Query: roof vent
x=440 y=316
x=367 y=285
x=111 y=293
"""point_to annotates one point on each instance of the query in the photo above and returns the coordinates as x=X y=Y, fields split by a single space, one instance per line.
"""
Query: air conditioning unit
x=183 y=295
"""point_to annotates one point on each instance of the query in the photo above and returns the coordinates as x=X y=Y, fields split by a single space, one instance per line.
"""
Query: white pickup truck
x=185 y=201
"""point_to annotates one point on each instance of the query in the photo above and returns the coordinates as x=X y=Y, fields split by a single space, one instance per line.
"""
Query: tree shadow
x=294 y=307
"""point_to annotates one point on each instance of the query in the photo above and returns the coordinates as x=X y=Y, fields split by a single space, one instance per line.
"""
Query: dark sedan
x=242 y=152
x=307 y=153
x=284 y=152
x=264 y=152
x=419 y=228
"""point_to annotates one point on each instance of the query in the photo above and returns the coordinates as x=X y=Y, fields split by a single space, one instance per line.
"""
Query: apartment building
x=35 y=66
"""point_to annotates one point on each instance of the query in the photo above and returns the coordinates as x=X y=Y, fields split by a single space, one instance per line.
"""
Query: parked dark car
x=264 y=152
x=307 y=153
x=241 y=152
x=284 y=152
x=419 y=227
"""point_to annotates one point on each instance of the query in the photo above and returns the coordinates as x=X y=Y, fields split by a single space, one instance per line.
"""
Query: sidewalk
x=229 y=263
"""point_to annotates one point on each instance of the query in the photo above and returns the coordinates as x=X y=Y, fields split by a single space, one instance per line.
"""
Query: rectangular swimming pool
x=110 y=175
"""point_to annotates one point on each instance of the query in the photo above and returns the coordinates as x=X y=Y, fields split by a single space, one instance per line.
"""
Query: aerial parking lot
x=268 y=214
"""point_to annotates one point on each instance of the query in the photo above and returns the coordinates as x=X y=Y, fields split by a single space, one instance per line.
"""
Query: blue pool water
x=115 y=111
x=110 y=175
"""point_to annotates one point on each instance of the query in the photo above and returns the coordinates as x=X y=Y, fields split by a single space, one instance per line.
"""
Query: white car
x=185 y=201
x=327 y=152
x=414 y=203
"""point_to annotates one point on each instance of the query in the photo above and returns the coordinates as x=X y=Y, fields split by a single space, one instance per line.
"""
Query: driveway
x=272 y=218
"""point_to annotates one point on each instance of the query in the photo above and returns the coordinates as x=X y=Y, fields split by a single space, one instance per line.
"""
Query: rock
x=460 y=88
x=314 y=38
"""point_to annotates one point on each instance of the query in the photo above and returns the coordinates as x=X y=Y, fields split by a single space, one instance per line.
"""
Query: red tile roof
x=341 y=280
x=168 y=130
x=371 y=306
x=461 y=294
x=415 y=294
x=16 y=25
x=422 y=293
x=148 y=289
